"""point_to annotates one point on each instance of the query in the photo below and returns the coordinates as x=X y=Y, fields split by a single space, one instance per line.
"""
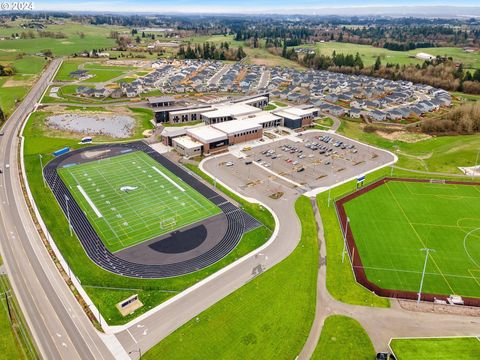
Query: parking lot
x=316 y=159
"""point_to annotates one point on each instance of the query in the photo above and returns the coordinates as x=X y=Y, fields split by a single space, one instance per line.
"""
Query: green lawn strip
x=102 y=75
x=437 y=154
x=104 y=288
x=279 y=104
x=268 y=318
x=269 y=107
x=15 y=338
x=392 y=222
x=343 y=338
x=340 y=280
x=324 y=123
x=467 y=348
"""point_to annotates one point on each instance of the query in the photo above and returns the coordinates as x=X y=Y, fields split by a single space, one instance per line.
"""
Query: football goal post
x=168 y=223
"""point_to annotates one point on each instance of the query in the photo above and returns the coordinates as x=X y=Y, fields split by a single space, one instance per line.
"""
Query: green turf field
x=131 y=198
x=467 y=348
x=393 y=222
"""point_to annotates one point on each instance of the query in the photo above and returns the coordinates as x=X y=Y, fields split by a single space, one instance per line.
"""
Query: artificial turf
x=393 y=222
x=131 y=198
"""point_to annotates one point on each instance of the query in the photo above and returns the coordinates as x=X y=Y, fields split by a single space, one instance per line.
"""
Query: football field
x=131 y=198
x=392 y=223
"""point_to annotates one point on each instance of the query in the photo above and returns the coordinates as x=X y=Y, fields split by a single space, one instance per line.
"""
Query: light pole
x=475 y=165
x=68 y=215
x=41 y=167
x=139 y=351
x=345 y=239
x=427 y=252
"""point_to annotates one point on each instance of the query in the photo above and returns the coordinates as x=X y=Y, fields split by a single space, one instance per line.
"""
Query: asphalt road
x=59 y=325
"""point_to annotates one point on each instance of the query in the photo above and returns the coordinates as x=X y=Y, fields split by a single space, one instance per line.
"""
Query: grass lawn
x=156 y=201
x=392 y=222
x=467 y=348
x=437 y=154
x=268 y=318
x=343 y=338
x=269 y=107
x=104 y=288
x=324 y=123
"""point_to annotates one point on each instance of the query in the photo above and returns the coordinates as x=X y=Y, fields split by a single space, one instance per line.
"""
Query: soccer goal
x=437 y=181
x=168 y=223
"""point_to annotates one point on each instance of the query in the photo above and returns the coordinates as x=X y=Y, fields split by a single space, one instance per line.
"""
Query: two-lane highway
x=59 y=325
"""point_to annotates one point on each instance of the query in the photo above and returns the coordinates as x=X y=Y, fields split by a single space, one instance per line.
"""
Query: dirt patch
x=404 y=136
x=17 y=83
x=439 y=308
x=91 y=123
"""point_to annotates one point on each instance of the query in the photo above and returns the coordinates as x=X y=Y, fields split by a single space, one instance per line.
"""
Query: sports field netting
x=131 y=198
x=392 y=222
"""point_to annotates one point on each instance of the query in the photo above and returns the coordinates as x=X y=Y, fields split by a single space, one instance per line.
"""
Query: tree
x=2 y=115
x=378 y=63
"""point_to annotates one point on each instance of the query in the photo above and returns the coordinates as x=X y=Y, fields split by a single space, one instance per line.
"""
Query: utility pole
x=345 y=239
x=68 y=215
x=427 y=252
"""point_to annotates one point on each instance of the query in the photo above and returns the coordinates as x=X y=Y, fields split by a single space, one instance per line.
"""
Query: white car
x=229 y=163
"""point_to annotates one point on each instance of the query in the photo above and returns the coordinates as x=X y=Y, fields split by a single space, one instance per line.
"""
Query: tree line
x=464 y=119
x=210 y=51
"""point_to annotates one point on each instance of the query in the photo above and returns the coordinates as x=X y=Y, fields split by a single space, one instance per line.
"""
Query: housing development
x=280 y=185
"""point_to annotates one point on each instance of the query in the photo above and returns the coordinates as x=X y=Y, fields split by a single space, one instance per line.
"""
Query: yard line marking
x=418 y=236
x=167 y=178
x=89 y=201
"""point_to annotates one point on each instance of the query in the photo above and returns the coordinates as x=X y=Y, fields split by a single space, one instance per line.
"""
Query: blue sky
x=229 y=6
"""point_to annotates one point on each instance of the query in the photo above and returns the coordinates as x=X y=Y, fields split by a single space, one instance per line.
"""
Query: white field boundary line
x=168 y=179
x=186 y=292
x=89 y=201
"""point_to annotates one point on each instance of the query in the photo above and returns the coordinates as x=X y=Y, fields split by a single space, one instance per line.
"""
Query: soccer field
x=393 y=222
x=131 y=198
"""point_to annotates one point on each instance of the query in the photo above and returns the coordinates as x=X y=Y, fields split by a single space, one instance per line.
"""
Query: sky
x=243 y=6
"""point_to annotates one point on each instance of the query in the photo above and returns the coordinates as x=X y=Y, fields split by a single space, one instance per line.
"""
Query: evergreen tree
x=378 y=63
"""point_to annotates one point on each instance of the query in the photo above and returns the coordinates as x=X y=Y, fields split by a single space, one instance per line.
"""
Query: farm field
x=370 y=53
x=394 y=221
x=467 y=348
x=131 y=198
x=14 y=88
x=78 y=37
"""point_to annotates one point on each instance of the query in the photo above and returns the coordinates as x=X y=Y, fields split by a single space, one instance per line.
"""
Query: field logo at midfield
x=127 y=189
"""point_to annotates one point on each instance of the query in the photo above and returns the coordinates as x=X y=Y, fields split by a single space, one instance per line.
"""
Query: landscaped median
x=104 y=288
x=268 y=318
x=343 y=338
